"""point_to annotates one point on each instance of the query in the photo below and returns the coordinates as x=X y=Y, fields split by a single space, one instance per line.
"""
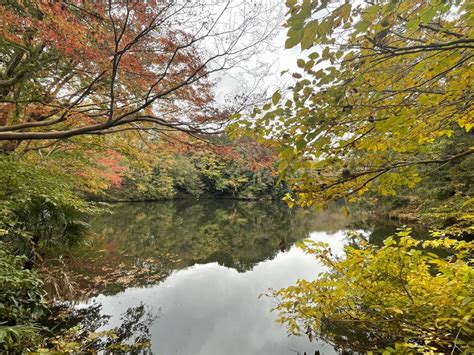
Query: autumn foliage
x=73 y=68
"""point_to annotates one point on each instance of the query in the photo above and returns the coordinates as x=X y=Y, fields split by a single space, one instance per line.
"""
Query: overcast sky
x=268 y=63
x=278 y=61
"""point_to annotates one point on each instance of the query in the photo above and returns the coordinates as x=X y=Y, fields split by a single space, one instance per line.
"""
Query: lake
x=198 y=269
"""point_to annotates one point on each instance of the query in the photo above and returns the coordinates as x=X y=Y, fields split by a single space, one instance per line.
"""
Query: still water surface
x=200 y=267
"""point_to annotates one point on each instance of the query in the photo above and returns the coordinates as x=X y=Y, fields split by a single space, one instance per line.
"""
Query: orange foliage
x=112 y=169
x=101 y=65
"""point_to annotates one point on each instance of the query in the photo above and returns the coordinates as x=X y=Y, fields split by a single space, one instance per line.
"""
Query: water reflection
x=200 y=267
x=235 y=234
x=132 y=335
x=212 y=309
x=142 y=243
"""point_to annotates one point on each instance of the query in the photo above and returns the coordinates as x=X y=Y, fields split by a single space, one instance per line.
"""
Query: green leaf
x=413 y=24
x=371 y=13
x=344 y=11
x=286 y=152
x=294 y=40
x=326 y=26
x=305 y=9
x=362 y=26
x=301 y=144
x=309 y=65
x=309 y=33
x=427 y=15
x=326 y=52
x=276 y=98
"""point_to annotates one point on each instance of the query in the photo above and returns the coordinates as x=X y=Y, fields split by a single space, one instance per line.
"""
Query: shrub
x=400 y=297
x=21 y=304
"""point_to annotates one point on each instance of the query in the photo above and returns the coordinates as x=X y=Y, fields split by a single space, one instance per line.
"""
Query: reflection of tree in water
x=351 y=338
x=233 y=233
x=132 y=336
x=141 y=243
x=378 y=230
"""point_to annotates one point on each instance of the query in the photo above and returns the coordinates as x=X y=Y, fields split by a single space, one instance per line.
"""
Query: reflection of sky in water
x=213 y=310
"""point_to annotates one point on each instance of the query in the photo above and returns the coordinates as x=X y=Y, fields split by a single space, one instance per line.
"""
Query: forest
x=140 y=140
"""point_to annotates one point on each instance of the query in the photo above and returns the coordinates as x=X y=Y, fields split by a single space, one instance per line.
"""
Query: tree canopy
x=379 y=84
x=70 y=68
x=381 y=99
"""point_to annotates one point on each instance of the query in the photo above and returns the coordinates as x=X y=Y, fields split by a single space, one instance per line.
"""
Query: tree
x=71 y=68
x=217 y=167
x=71 y=72
x=384 y=90
x=383 y=82
x=399 y=297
